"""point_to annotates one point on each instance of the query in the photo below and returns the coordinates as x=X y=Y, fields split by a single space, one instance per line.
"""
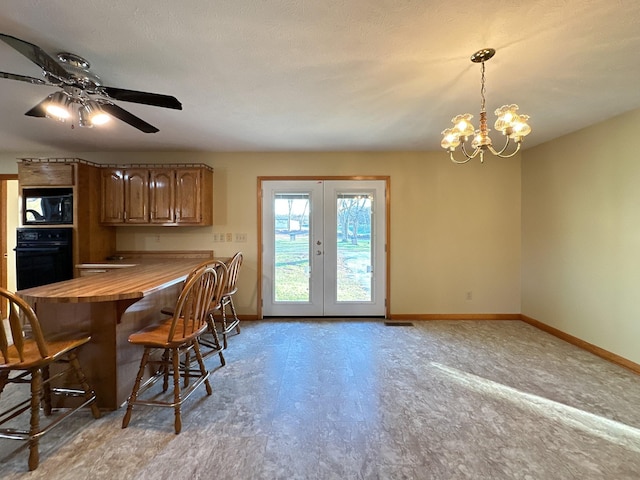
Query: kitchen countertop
x=137 y=281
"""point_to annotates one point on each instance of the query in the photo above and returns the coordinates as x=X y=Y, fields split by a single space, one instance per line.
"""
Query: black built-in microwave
x=47 y=206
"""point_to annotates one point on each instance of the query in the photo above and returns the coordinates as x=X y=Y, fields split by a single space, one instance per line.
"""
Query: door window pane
x=292 y=247
x=354 y=247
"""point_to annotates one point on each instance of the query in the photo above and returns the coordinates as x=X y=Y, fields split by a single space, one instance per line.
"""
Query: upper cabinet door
x=136 y=195
x=112 y=182
x=188 y=192
x=162 y=195
x=46 y=174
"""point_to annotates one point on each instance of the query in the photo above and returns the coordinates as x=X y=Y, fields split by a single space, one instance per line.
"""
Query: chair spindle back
x=192 y=307
x=20 y=313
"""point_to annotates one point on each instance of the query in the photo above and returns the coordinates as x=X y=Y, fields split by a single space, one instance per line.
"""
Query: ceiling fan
x=82 y=91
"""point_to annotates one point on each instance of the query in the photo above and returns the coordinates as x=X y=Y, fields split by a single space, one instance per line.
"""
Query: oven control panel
x=44 y=235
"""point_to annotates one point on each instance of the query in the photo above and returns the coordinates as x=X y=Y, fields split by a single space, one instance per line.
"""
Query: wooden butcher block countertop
x=134 y=282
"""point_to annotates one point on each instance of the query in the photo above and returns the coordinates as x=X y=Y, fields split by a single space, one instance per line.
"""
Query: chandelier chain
x=482 y=90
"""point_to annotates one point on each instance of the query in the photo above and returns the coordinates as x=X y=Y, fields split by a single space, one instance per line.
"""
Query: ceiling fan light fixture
x=100 y=118
x=72 y=73
x=59 y=106
x=91 y=114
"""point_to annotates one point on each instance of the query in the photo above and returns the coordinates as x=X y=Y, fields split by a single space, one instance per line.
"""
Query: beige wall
x=12 y=224
x=454 y=228
x=581 y=235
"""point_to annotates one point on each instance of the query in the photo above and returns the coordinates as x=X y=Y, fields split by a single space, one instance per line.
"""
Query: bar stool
x=233 y=267
x=176 y=336
x=210 y=338
x=32 y=358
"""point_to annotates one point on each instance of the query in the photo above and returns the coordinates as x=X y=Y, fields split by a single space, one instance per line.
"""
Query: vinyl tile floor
x=356 y=399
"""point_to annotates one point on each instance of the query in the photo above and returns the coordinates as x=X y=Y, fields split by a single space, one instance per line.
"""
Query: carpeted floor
x=355 y=399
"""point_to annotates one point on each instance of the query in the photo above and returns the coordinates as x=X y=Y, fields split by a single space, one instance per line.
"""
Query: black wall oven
x=43 y=256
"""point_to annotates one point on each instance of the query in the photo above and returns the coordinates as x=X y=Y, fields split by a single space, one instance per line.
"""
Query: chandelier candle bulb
x=512 y=125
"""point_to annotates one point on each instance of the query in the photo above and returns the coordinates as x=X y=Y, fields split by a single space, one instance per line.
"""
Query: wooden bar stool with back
x=176 y=336
x=26 y=359
x=226 y=300
x=209 y=339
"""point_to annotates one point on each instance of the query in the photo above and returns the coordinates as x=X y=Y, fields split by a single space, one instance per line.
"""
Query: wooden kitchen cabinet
x=112 y=198
x=189 y=193
x=49 y=174
x=136 y=196
x=125 y=196
x=162 y=195
x=158 y=196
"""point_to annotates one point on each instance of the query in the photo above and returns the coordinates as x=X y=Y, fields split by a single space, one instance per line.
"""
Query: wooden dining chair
x=226 y=300
x=177 y=336
x=27 y=359
x=210 y=339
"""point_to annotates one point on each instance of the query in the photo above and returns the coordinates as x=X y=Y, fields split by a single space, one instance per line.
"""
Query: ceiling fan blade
x=127 y=117
x=22 y=78
x=146 y=98
x=38 y=110
x=36 y=55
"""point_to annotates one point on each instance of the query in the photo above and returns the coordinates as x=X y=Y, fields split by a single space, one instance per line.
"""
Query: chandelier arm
x=469 y=156
x=519 y=144
x=504 y=149
x=459 y=162
x=501 y=153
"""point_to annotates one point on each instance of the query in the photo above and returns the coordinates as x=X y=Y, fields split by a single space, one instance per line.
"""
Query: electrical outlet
x=229 y=237
x=469 y=295
x=241 y=237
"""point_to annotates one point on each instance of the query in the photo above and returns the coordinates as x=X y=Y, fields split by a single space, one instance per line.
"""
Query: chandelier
x=513 y=125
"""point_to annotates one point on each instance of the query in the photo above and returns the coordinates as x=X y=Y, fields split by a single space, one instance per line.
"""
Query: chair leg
x=176 y=391
x=235 y=315
x=136 y=387
x=203 y=370
x=228 y=300
x=216 y=339
x=82 y=380
x=223 y=310
x=187 y=368
x=46 y=391
x=165 y=370
x=36 y=393
x=4 y=379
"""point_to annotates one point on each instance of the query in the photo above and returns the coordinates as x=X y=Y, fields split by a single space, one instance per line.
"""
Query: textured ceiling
x=310 y=75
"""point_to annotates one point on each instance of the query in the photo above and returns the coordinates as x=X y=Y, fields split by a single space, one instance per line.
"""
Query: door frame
x=3 y=236
x=387 y=234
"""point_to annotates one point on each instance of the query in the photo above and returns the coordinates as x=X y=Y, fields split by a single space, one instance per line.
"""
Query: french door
x=323 y=247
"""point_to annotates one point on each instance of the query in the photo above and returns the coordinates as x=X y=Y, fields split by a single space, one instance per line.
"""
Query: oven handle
x=37 y=249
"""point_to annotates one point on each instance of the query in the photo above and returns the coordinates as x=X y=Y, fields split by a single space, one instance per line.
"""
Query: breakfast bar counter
x=110 y=306
x=136 y=281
